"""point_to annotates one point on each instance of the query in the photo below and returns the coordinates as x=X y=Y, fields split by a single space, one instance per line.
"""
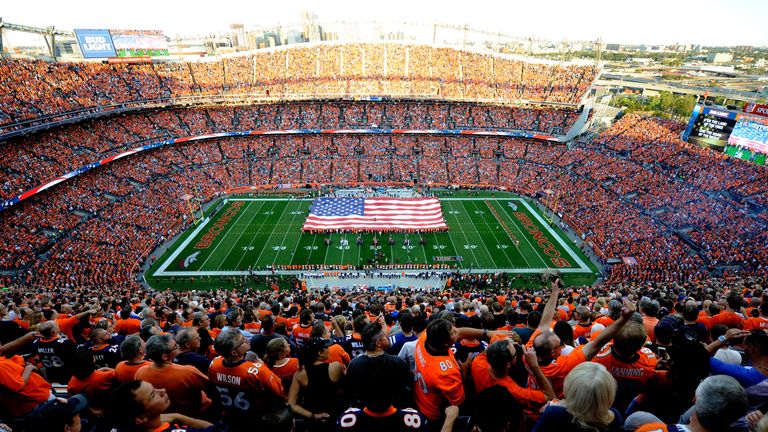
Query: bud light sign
x=95 y=43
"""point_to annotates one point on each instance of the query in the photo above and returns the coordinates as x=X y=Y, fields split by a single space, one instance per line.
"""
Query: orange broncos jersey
x=438 y=381
x=244 y=387
x=756 y=323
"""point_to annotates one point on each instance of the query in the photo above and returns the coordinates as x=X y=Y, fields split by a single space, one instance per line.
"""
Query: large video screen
x=139 y=43
x=750 y=132
x=712 y=128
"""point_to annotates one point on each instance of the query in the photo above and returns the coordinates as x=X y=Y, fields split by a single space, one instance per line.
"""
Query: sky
x=705 y=22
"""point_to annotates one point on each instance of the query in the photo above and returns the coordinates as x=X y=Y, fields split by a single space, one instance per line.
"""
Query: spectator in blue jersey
x=138 y=406
x=406 y=334
x=375 y=342
x=260 y=340
x=189 y=343
x=753 y=378
x=377 y=412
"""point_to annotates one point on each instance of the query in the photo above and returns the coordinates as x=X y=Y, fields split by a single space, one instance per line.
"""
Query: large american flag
x=375 y=214
x=750 y=134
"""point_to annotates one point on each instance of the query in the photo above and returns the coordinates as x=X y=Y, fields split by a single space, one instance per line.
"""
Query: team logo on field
x=189 y=260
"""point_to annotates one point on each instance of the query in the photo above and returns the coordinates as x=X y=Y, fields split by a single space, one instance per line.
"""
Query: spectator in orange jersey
x=279 y=360
x=300 y=333
x=548 y=348
x=759 y=322
x=184 y=384
x=246 y=389
x=629 y=362
x=583 y=328
x=141 y=407
x=336 y=353
x=95 y=384
x=614 y=312
x=731 y=317
x=132 y=350
x=314 y=393
x=189 y=344
x=21 y=386
x=649 y=310
x=492 y=368
x=438 y=373
x=127 y=325
x=66 y=324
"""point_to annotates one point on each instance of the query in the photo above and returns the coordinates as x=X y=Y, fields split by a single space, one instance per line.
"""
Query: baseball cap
x=317 y=343
x=54 y=414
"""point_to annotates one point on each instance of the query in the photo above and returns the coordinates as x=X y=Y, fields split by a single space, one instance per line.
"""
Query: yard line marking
x=293 y=218
x=552 y=232
x=221 y=240
x=466 y=239
x=264 y=247
x=232 y=245
x=498 y=242
x=160 y=271
x=525 y=237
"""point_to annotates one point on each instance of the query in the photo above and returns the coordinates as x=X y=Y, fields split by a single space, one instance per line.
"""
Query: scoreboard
x=711 y=127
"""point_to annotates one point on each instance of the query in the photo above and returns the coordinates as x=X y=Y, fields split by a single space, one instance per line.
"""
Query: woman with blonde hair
x=589 y=393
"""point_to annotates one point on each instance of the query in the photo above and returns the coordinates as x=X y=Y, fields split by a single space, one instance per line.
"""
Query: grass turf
x=491 y=233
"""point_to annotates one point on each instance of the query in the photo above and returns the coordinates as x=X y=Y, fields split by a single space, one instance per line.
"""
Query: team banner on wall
x=95 y=43
x=757 y=109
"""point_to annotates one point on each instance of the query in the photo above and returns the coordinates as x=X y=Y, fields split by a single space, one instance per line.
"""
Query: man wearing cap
x=57 y=415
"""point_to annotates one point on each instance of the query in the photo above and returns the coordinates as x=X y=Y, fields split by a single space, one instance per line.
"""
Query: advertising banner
x=95 y=43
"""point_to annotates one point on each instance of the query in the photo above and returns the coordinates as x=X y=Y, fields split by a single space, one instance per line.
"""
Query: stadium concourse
x=674 y=338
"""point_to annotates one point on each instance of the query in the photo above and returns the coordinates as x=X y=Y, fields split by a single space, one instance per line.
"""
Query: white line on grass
x=181 y=247
x=221 y=241
x=466 y=239
x=525 y=237
x=266 y=243
x=293 y=218
x=554 y=234
x=498 y=242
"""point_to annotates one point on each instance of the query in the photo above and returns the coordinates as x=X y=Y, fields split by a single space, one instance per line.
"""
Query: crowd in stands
x=472 y=356
x=31 y=160
x=38 y=90
x=637 y=193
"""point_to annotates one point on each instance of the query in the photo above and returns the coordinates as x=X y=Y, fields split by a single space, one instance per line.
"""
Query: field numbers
x=479 y=212
x=409 y=247
x=375 y=247
x=278 y=248
x=438 y=247
x=248 y=248
x=501 y=246
x=268 y=213
x=297 y=212
x=342 y=247
x=310 y=248
x=470 y=246
x=454 y=212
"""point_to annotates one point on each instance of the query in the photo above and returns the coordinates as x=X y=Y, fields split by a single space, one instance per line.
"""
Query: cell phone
x=662 y=352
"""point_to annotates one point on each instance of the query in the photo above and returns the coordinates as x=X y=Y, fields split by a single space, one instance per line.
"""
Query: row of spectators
x=30 y=160
x=33 y=89
x=628 y=357
x=657 y=215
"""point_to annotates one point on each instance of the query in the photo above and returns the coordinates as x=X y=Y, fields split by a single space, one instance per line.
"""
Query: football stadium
x=304 y=217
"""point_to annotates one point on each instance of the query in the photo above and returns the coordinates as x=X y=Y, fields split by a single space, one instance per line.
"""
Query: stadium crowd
x=473 y=356
x=662 y=209
x=35 y=91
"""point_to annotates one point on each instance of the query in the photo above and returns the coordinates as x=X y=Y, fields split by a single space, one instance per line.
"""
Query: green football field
x=259 y=235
